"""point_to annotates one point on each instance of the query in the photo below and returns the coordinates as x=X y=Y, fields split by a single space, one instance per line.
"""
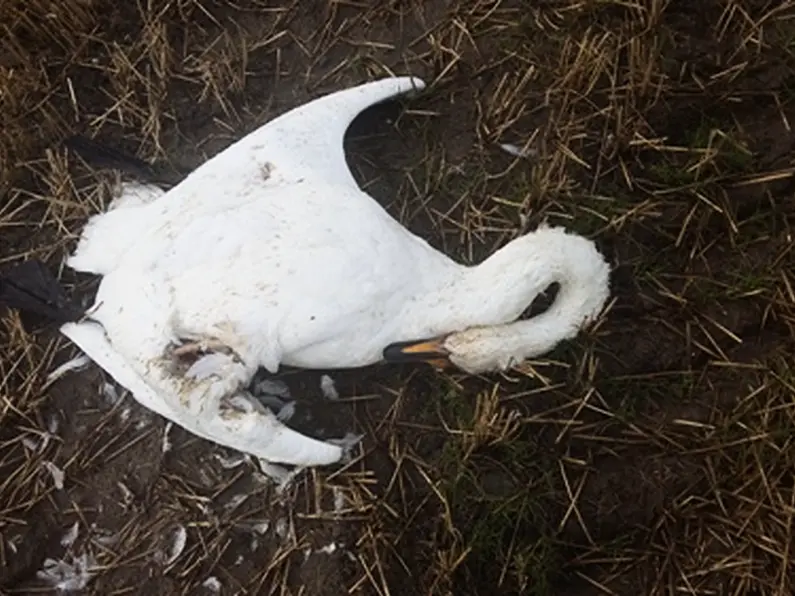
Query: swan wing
x=303 y=144
x=308 y=140
x=283 y=162
x=253 y=430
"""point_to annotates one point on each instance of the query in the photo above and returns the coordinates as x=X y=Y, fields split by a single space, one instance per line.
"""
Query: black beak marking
x=415 y=351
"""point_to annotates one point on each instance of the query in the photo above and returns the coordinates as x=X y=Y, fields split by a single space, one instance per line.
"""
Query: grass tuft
x=652 y=455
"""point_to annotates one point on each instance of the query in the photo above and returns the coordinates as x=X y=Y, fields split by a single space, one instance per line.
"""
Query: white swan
x=269 y=253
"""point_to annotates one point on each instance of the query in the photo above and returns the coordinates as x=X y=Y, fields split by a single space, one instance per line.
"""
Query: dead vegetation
x=653 y=455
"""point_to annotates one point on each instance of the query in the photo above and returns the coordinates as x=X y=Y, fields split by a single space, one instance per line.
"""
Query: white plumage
x=271 y=254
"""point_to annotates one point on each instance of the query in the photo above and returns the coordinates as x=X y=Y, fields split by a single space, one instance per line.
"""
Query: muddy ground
x=652 y=455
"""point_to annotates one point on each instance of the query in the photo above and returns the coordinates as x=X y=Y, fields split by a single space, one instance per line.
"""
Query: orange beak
x=430 y=351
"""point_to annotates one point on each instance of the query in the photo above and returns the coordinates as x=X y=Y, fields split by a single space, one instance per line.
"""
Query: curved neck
x=494 y=293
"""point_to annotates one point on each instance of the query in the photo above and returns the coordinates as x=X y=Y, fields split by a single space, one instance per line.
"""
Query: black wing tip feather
x=98 y=154
x=30 y=287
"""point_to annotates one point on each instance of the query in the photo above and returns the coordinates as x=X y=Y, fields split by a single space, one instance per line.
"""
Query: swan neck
x=497 y=291
x=583 y=277
x=502 y=287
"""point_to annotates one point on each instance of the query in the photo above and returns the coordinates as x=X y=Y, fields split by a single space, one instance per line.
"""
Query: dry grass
x=654 y=455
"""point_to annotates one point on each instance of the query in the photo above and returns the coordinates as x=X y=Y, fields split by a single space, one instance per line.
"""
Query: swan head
x=479 y=349
x=475 y=351
x=533 y=262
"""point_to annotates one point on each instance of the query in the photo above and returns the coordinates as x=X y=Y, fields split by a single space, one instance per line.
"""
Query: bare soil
x=653 y=455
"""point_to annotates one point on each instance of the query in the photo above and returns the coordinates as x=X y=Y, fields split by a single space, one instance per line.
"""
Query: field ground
x=653 y=455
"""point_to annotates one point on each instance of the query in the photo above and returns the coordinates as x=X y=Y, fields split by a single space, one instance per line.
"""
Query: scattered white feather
x=271 y=472
x=124 y=415
x=110 y=393
x=258 y=530
x=206 y=479
x=328 y=388
x=517 y=151
x=52 y=429
x=203 y=507
x=127 y=495
x=236 y=501
x=286 y=412
x=56 y=473
x=288 y=481
x=233 y=461
x=272 y=402
x=12 y=544
x=177 y=542
x=69 y=538
x=104 y=538
x=45 y=440
x=52 y=426
x=328 y=549
x=166 y=443
x=67 y=577
x=348 y=442
x=261 y=528
x=339 y=499
x=68 y=366
x=272 y=387
x=180 y=538
x=44 y=437
x=213 y=584
x=281 y=476
x=282 y=528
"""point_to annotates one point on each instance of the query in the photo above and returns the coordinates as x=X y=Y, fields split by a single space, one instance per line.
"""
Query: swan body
x=269 y=253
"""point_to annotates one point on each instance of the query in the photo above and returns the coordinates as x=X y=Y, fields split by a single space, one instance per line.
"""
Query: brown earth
x=653 y=455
